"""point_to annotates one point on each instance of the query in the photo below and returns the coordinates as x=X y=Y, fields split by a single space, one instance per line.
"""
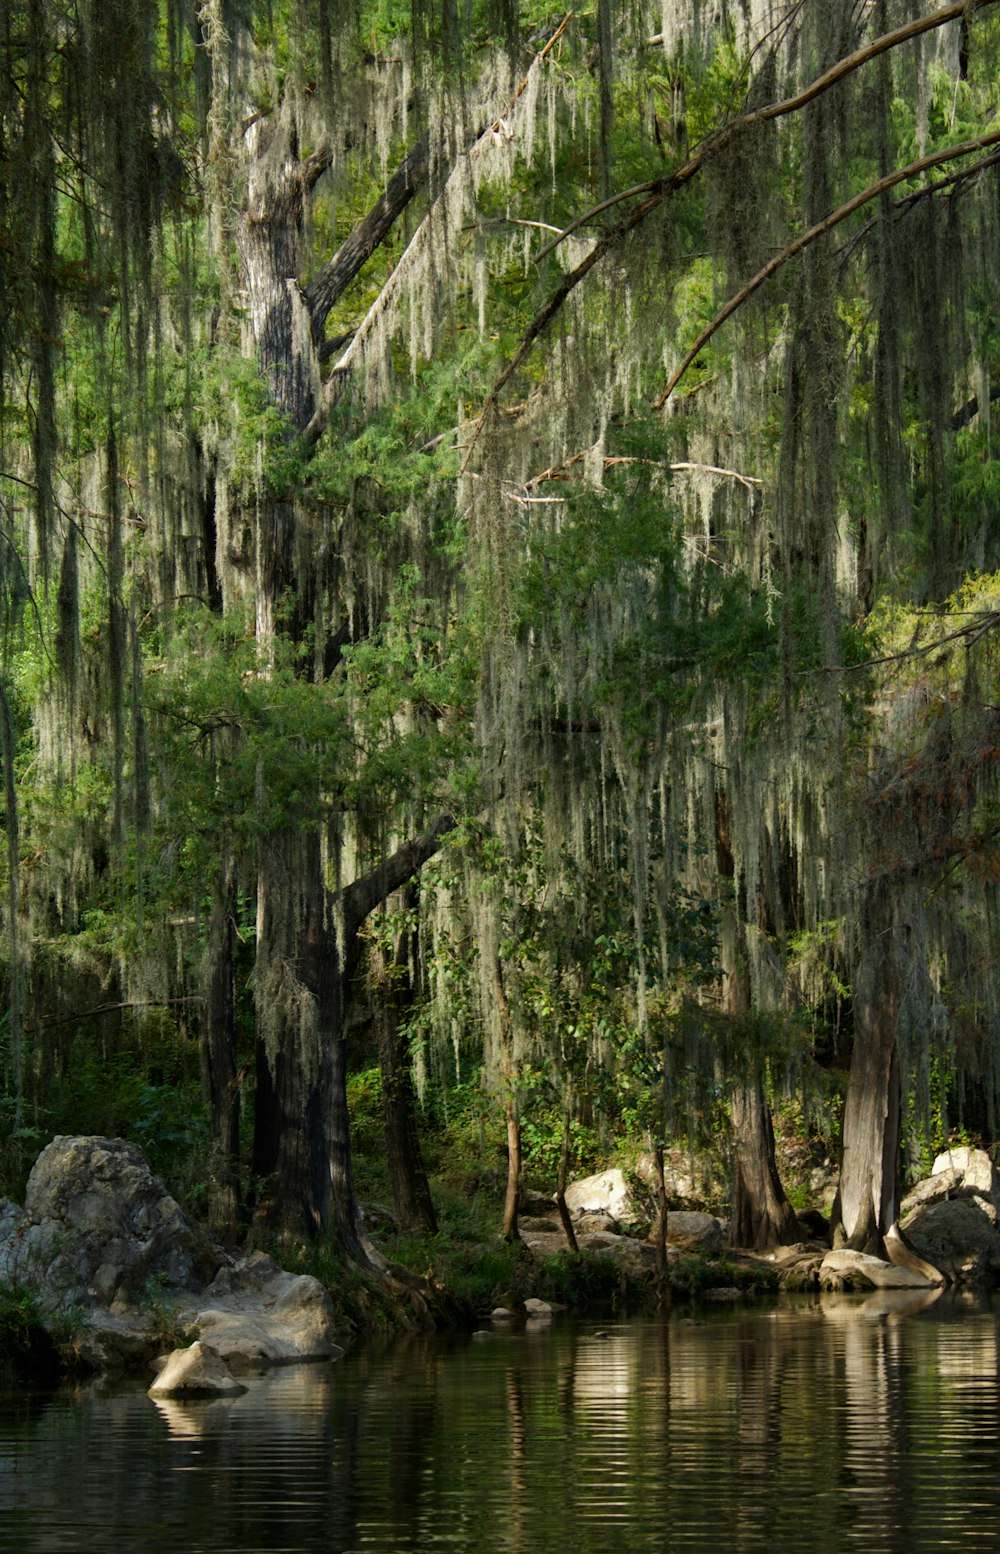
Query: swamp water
x=840 y=1422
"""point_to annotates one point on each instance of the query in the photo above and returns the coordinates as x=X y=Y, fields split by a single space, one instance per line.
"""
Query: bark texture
x=868 y=1200
x=392 y=993
x=762 y=1216
x=220 y=1079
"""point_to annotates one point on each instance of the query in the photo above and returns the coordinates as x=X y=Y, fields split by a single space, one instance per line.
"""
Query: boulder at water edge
x=196 y=1371
x=98 y=1225
x=844 y=1269
x=255 y=1313
x=101 y=1241
x=951 y=1217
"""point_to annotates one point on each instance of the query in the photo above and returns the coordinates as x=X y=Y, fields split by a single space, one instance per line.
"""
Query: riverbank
x=102 y=1269
x=465 y=1278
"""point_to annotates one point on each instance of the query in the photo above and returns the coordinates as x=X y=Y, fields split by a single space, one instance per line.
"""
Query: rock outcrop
x=255 y=1313
x=120 y=1273
x=694 y=1232
x=951 y=1217
x=606 y=1194
x=846 y=1270
x=98 y=1226
x=690 y=1179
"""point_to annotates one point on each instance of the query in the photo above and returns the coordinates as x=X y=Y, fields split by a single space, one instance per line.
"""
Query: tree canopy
x=555 y=446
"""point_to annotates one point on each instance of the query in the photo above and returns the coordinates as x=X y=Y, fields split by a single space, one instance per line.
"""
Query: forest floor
x=470 y=1270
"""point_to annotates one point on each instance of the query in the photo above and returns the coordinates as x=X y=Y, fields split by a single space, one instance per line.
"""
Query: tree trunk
x=510 y=1205
x=761 y=1214
x=218 y=1054
x=564 y=1218
x=269 y=238
x=868 y=1199
x=308 y=946
x=392 y=991
x=299 y=1000
x=660 y=1226
x=512 y=1110
x=762 y=1217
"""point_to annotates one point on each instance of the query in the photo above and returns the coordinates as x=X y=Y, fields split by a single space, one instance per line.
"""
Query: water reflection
x=832 y=1422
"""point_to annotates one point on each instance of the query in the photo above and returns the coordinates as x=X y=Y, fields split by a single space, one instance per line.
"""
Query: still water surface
x=841 y=1422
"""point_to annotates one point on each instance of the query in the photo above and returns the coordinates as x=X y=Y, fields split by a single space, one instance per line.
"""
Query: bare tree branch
x=658 y=190
x=113 y=1008
x=337 y=274
x=980 y=625
x=723 y=137
x=362 y=896
x=555 y=302
x=615 y=461
x=954 y=181
x=911 y=170
x=343 y=367
x=972 y=407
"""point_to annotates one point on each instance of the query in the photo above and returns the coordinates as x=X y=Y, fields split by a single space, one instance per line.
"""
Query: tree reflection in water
x=827 y=1422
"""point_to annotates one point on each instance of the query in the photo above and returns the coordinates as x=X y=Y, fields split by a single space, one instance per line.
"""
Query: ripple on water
x=816 y=1427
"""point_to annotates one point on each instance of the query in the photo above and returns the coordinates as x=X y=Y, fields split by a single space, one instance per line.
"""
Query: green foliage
x=109 y=1093
x=364 y=1100
x=542 y=1144
x=758 y=592
x=224 y=399
x=694 y=1277
x=27 y=1352
x=161 y=1318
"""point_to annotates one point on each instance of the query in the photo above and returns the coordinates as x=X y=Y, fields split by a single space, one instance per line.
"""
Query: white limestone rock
x=695 y=1232
x=844 y=1268
x=979 y=1176
x=606 y=1193
x=197 y=1371
x=257 y=1314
